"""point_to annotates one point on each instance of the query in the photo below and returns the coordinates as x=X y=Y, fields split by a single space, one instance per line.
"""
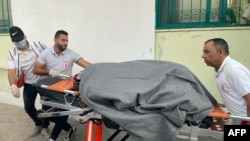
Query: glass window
x=5 y=16
x=200 y=13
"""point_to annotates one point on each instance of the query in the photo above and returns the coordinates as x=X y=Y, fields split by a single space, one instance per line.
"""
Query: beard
x=208 y=63
x=61 y=47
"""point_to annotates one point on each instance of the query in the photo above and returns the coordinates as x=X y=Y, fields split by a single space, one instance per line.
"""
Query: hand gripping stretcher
x=60 y=93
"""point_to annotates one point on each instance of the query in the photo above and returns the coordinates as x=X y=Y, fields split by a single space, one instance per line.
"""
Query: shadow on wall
x=4 y=83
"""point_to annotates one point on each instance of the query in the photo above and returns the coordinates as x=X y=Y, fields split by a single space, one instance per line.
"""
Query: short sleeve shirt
x=26 y=63
x=62 y=63
x=233 y=82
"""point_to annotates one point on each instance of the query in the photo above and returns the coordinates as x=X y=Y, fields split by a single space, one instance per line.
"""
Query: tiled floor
x=15 y=125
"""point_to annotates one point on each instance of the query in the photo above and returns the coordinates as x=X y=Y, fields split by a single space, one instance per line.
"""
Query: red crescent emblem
x=65 y=65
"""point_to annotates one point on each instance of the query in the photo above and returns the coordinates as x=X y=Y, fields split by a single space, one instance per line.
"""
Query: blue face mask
x=21 y=44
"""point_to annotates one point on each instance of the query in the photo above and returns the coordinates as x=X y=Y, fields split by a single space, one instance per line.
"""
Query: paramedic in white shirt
x=21 y=58
x=232 y=78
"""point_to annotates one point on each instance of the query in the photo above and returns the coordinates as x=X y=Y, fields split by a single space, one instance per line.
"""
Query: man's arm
x=83 y=63
x=39 y=69
x=12 y=80
x=12 y=66
x=247 y=98
x=12 y=76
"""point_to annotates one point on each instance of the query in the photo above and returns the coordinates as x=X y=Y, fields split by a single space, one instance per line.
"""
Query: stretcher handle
x=240 y=117
x=220 y=113
x=63 y=75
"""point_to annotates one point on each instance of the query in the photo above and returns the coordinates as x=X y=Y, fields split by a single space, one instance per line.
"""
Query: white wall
x=186 y=46
x=100 y=30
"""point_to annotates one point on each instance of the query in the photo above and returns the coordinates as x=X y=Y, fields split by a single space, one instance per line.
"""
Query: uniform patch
x=224 y=88
x=65 y=65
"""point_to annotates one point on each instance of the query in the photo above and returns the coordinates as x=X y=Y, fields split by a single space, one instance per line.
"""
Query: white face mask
x=21 y=44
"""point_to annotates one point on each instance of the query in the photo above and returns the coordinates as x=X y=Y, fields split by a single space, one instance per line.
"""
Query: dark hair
x=219 y=44
x=60 y=32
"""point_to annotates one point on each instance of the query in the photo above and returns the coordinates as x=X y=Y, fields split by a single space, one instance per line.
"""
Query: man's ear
x=221 y=51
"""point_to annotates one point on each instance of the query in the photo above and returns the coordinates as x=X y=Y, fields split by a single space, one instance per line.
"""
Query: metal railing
x=5 y=16
x=235 y=10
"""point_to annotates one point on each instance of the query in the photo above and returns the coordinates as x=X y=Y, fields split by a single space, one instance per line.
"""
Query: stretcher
x=60 y=93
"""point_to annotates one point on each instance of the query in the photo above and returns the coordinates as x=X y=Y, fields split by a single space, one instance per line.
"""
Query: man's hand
x=15 y=91
x=54 y=73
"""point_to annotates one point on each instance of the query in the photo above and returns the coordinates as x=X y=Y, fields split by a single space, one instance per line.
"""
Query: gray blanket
x=149 y=99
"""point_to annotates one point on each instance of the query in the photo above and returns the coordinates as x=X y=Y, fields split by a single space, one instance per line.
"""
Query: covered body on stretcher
x=151 y=100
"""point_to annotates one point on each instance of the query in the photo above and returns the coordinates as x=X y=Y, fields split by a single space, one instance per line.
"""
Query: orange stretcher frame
x=67 y=85
x=219 y=113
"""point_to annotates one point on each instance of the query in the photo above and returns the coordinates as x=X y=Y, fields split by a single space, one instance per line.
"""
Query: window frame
x=6 y=17
x=206 y=24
